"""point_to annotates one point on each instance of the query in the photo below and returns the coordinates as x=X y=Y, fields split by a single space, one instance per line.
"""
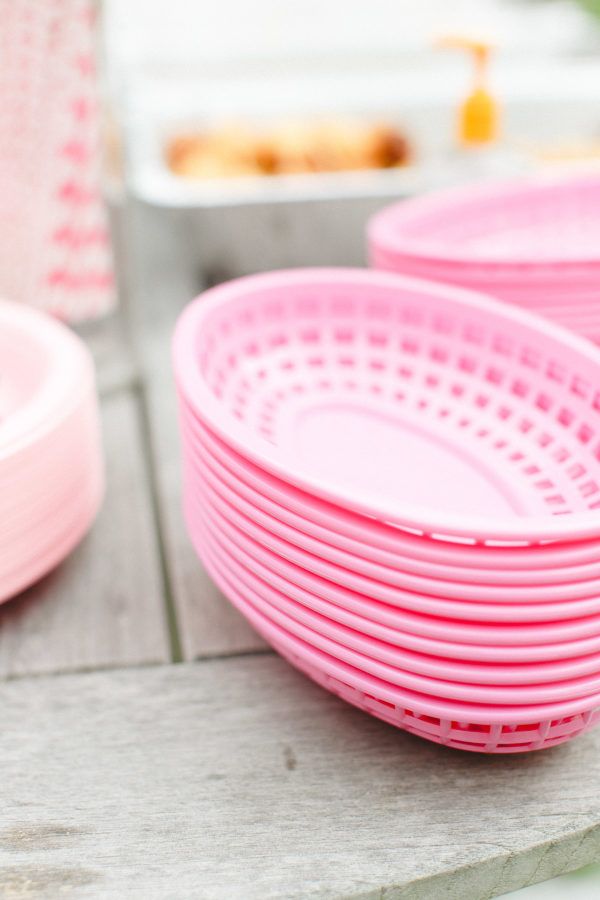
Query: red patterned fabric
x=54 y=242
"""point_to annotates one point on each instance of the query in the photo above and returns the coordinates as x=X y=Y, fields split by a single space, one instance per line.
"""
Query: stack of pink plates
x=535 y=243
x=51 y=475
x=398 y=484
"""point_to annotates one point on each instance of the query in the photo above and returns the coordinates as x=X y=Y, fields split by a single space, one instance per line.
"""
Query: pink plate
x=51 y=470
x=46 y=369
x=413 y=403
x=55 y=469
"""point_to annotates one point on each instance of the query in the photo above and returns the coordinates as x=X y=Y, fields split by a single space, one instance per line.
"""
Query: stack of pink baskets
x=398 y=484
x=51 y=476
x=534 y=242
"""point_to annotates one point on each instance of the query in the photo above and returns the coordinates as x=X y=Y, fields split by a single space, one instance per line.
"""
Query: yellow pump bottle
x=479 y=114
x=479 y=153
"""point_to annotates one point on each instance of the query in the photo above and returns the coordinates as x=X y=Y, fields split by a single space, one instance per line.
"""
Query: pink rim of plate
x=41 y=517
x=576 y=309
x=54 y=473
x=47 y=515
x=541 y=294
x=342 y=523
x=423 y=703
x=387 y=646
x=32 y=456
x=207 y=407
x=69 y=366
x=511 y=592
x=56 y=545
x=436 y=606
x=467 y=201
x=532 y=284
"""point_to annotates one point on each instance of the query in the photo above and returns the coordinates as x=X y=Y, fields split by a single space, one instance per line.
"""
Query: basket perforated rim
x=578 y=525
x=382 y=227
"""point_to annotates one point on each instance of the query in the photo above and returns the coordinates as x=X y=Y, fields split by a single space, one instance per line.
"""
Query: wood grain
x=240 y=779
x=103 y=606
x=162 y=278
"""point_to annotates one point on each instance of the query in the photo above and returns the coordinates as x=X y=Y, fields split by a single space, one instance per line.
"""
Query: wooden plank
x=239 y=779
x=162 y=278
x=103 y=606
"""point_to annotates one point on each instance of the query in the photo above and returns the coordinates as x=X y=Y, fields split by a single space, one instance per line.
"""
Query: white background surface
x=200 y=31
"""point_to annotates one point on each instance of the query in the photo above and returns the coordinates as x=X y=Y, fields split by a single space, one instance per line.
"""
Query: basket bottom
x=476 y=738
x=363 y=446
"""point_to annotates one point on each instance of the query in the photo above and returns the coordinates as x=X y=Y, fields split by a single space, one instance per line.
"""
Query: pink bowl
x=310 y=374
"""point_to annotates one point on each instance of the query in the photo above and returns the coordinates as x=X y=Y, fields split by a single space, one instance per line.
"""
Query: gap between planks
x=162 y=275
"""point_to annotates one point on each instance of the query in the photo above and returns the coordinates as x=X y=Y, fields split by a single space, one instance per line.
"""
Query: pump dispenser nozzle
x=479 y=113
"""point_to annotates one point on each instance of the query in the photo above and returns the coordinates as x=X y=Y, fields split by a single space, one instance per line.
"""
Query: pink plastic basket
x=502 y=636
x=390 y=665
x=530 y=229
x=532 y=242
x=463 y=726
x=364 y=617
x=334 y=580
x=517 y=563
x=395 y=481
x=476 y=421
x=386 y=645
x=395 y=574
x=304 y=525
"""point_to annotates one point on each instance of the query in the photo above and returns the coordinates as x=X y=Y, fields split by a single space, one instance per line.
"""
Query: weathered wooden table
x=152 y=746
